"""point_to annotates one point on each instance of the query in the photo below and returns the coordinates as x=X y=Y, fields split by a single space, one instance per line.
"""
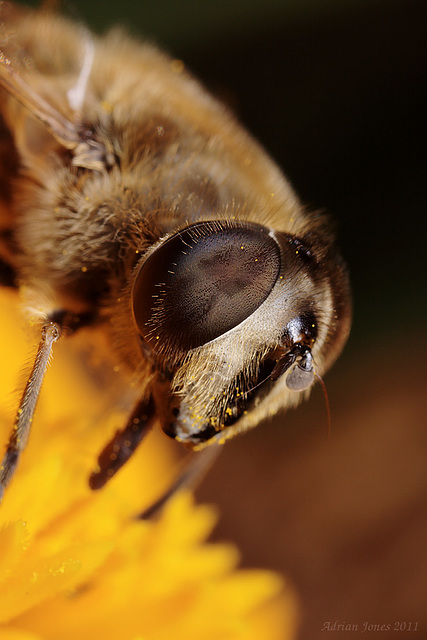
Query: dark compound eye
x=202 y=282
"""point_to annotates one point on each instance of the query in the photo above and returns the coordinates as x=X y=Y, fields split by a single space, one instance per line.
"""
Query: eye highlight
x=204 y=281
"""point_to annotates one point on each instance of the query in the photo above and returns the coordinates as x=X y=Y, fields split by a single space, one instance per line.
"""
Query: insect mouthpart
x=196 y=426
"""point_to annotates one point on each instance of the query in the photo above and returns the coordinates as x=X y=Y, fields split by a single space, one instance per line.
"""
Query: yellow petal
x=77 y=564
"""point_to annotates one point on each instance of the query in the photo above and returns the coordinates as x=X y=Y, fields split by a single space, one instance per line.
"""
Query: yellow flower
x=76 y=564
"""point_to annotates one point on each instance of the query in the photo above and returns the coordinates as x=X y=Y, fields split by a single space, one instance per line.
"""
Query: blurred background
x=335 y=91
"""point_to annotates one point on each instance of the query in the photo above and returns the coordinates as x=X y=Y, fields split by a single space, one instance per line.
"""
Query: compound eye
x=202 y=282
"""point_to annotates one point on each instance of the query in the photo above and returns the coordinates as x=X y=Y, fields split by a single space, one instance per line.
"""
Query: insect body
x=132 y=202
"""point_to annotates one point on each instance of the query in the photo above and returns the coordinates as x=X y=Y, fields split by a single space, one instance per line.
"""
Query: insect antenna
x=24 y=417
x=296 y=381
x=192 y=473
x=328 y=407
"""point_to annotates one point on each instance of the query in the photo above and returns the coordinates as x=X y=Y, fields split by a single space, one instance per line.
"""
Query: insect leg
x=119 y=450
x=71 y=322
x=191 y=474
x=7 y=275
x=24 y=417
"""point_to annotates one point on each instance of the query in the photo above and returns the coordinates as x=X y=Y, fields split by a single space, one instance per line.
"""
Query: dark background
x=335 y=90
